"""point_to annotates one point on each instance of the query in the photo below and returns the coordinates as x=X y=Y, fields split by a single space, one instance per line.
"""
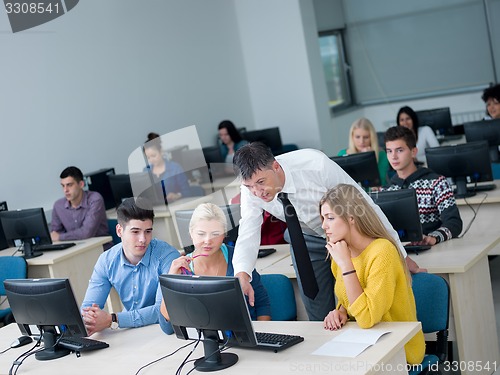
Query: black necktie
x=302 y=259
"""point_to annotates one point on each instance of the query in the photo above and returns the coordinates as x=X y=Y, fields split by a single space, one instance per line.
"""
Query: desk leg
x=475 y=323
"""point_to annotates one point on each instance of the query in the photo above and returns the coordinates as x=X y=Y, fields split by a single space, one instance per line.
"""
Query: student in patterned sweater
x=439 y=214
x=372 y=281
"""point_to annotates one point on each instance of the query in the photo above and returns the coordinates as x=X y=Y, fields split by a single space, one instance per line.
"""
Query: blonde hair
x=347 y=201
x=207 y=211
x=365 y=124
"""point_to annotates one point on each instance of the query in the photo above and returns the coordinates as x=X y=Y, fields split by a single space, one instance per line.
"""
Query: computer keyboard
x=82 y=344
x=276 y=341
x=484 y=187
x=53 y=246
x=416 y=248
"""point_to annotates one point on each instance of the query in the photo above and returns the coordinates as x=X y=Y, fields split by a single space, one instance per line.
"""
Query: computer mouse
x=21 y=341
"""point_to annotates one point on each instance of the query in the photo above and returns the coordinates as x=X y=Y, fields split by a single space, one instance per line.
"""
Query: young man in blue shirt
x=132 y=267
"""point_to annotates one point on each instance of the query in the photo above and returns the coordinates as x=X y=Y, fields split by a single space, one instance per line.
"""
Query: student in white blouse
x=424 y=134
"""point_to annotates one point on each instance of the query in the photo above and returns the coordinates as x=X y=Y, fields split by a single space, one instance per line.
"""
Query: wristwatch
x=114 y=321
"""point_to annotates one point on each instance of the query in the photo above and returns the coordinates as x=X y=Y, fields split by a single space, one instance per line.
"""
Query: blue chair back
x=432 y=298
x=11 y=267
x=112 y=231
x=282 y=297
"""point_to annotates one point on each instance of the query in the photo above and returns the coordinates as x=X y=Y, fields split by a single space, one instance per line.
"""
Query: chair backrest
x=112 y=231
x=11 y=267
x=432 y=298
x=282 y=297
x=183 y=217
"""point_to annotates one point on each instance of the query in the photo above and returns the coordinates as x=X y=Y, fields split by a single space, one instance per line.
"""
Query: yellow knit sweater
x=386 y=297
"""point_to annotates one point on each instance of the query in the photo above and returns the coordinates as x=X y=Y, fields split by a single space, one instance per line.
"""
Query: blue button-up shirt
x=137 y=285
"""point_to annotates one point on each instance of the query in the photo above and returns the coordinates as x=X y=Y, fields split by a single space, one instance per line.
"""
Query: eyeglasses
x=186 y=271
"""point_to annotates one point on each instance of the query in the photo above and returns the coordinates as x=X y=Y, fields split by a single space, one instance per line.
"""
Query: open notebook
x=351 y=343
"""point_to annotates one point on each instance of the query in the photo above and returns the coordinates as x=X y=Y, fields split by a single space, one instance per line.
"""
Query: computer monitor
x=271 y=137
x=50 y=306
x=29 y=226
x=216 y=307
x=362 y=167
x=99 y=181
x=183 y=217
x=121 y=187
x=464 y=163
x=439 y=119
x=145 y=185
x=401 y=209
x=4 y=244
x=485 y=131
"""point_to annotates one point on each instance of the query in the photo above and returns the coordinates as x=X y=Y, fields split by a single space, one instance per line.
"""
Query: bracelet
x=348 y=272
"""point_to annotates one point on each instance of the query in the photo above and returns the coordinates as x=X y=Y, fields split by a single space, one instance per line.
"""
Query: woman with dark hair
x=231 y=140
x=424 y=134
x=491 y=96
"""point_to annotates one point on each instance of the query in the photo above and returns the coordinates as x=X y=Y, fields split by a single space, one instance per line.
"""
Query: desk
x=464 y=263
x=75 y=263
x=132 y=348
x=487 y=218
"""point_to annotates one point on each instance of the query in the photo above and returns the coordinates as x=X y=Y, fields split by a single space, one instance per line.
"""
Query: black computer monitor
x=464 y=163
x=120 y=187
x=271 y=137
x=485 y=131
x=145 y=185
x=439 y=119
x=216 y=307
x=401 y=209
x=4 y=244
x=49 y=305
x=29 y=226
x=362 y=167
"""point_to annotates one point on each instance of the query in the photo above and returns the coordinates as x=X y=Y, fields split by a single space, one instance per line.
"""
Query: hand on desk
x=335 y=319
x=95 y=319
x=426 y=240
x=413 y=266
x=54 y=236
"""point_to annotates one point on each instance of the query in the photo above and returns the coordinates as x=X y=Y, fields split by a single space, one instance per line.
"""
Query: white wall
x=86 y=88
x=278 y=68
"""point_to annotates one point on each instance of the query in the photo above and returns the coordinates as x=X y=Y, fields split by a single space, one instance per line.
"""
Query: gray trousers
x=318 y=308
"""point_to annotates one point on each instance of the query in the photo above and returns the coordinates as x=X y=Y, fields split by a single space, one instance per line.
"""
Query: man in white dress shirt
x=305 y=175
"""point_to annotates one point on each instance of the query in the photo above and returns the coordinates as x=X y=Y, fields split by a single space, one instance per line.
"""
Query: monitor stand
x=51 y=351
x=28 y=250
x=461 y=190
x=214 y=360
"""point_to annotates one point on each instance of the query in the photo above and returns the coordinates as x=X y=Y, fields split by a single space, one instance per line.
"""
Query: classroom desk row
x=130 y=349
x=464 y=263
x=75 y=263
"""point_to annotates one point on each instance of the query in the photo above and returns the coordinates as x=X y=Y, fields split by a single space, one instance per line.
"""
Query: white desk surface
x=57 y=256
x=132 y=348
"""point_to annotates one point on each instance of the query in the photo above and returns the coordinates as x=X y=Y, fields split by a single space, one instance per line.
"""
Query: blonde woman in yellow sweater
x=372 y=281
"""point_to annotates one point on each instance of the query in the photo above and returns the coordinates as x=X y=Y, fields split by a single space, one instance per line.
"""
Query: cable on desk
x=165 y=356
x=475 y=213
x=185 y=361
x=220 y=350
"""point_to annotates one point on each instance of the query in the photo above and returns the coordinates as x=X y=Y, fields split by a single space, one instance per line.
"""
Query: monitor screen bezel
x=480 y=131
x=361 y=166
x=401 y=209
x=37 y=230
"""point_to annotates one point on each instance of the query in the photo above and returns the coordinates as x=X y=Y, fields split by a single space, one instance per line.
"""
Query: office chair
x=11 y=267
x=432 y=298
x=183 y=217
x=282 y=297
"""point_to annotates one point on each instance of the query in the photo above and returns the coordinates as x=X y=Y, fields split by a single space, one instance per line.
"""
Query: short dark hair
x=400 y=132
x=492 y=92
x=414 y=118
x=74 y=172
x=231 y=130
x=252 y=157
x=134 y=209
